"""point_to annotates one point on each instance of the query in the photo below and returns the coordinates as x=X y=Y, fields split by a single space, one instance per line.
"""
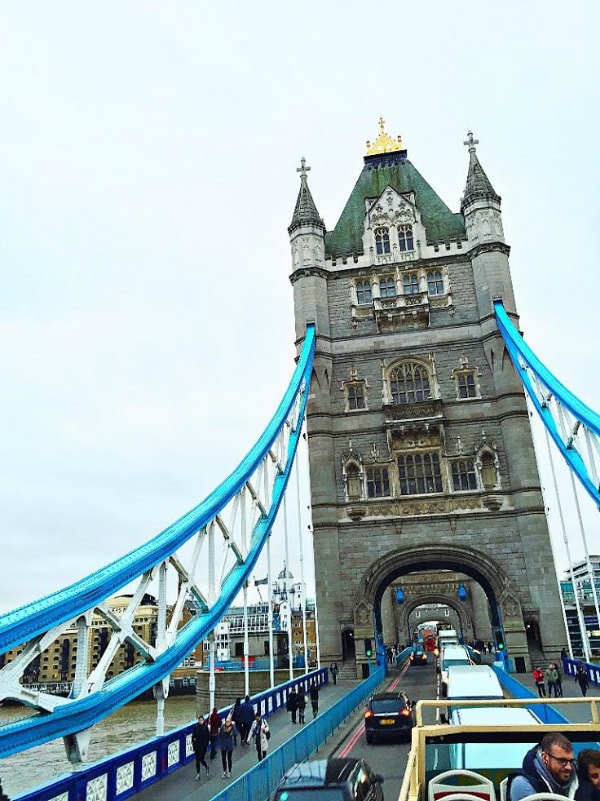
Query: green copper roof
x=441 y=224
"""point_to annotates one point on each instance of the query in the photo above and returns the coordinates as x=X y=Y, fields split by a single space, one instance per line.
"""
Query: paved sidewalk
x=182 y=785
x=576 y=713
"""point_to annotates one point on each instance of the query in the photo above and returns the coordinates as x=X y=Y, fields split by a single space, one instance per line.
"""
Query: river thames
x=127 y=726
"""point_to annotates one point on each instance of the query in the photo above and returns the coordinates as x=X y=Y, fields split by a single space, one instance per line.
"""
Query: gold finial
x=383 y=143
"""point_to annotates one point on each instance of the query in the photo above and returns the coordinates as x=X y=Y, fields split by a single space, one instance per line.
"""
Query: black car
x=418 y=656
x=330 y=780
x=388 y=715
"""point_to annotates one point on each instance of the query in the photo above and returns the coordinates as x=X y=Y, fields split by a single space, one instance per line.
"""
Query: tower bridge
x=410 y=385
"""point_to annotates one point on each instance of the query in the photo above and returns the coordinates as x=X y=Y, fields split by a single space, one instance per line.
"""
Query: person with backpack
x=245 y=716
x=301 y=706
x=261 y=734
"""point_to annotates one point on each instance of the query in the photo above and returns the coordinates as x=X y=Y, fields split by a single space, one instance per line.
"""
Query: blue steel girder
x=573 y=426
x=251 y=496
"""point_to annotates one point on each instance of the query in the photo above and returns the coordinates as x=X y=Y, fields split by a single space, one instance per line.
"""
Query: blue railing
x=122 y=775
x=593 y=671
x=258 y=782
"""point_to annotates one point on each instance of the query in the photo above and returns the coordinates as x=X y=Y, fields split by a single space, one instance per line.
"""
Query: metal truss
x=573 y=426
x=206 y=557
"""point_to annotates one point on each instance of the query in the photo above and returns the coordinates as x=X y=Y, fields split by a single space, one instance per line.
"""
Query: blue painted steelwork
x=30 y=620
x=543 y=387
x=156 y=750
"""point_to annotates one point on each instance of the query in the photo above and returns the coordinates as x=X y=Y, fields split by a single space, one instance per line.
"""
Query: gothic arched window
x=353 y=482
x=405 y=237
x=382 y=241
x=387 y=287
x=410 y=283
x=363 y=292
x=409 y=383
x=435 y=282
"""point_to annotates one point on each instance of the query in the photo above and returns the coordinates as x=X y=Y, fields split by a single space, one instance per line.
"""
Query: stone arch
x=505 y=607
x=466 y=621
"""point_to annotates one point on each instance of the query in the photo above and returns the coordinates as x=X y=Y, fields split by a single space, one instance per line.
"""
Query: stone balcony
x=402 y=311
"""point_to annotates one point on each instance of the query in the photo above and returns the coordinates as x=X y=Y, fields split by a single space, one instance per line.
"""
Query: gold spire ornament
x=384 y=143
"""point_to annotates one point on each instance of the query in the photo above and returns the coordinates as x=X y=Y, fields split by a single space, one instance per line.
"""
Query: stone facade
x=421 y=455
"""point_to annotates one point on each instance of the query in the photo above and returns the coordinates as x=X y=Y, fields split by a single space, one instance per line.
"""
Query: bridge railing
x=263 y=778
x=129 y=772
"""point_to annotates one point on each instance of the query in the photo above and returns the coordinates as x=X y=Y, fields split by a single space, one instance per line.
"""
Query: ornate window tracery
x=420 y=473
x=387 y=287
x=364 y=294
x=378 y=482
x=464 y=475
x=355 y=396
x=409 y=383
x=405 y=237
x=410 y=283
x=435 y=282
x=382 y=241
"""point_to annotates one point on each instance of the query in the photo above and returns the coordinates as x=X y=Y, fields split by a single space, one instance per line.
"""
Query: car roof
x=319 y=772
x=386 y=696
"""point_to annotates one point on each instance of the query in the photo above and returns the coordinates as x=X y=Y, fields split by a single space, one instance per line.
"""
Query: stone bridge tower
x=421 y=455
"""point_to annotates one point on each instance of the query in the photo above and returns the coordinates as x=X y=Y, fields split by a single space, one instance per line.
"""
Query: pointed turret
x=478 y=186
x=305 y=212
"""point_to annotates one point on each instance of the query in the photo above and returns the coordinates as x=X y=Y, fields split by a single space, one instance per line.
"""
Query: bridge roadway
x=389 y=759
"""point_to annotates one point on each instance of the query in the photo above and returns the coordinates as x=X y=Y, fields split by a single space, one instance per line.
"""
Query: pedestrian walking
x=538 y=677
x=246 y=716
x=200 y=741
x=554 y=681
x=333 y=669
x=301 y=706
x=235 y=716
x=214 y=724
x=226 y=745
x=581 y=677
x=260 y=733
x=292 y=703
x=314 y=698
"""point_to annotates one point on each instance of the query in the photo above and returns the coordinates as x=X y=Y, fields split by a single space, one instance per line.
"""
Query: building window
x=387 y=287
x=363 y=293
x=356 y=396
x=409 y=383
x=353 y=483
x=464 y=476
x=435 y=282
x=410 y=283
x=405 y=237
x=382 y=241
x=378 y=482
x=420 y=473
x=465 y=383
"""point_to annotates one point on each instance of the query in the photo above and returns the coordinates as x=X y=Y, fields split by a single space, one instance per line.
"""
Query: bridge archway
x=504 y=605
x=404 y=617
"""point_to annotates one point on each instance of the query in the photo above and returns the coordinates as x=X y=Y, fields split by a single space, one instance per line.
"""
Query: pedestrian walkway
x=182 y=784
x=576 y=713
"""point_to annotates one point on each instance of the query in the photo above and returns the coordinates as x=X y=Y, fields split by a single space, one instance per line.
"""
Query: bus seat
x=475 y=785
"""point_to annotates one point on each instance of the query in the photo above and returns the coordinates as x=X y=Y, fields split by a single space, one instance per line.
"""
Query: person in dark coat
x=214 y=724
x=200 y=741
x=588 y=771
x=226 y=746
x=246 y=716
x=292 y=703
x=301 y=706
x=314 y=698
x=235 y=716
x=333 y=669
x=581 y=677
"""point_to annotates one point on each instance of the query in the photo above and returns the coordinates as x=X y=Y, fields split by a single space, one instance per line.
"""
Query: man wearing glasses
x=547 y=768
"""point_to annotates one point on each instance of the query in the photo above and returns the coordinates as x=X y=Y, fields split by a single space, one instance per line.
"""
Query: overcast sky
x=147 y=179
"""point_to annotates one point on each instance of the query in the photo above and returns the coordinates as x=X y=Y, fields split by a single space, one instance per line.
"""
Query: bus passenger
x=588 y=770
x=548 y=767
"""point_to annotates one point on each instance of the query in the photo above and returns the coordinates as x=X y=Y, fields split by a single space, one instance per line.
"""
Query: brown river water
x=127 y=726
